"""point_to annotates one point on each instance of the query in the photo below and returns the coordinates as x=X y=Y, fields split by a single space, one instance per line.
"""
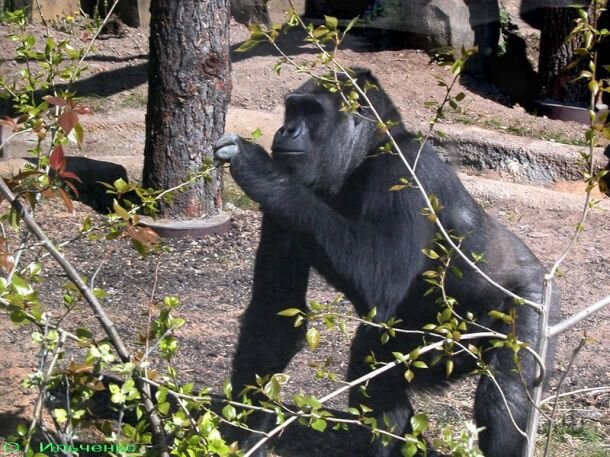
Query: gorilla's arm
x=369 y=254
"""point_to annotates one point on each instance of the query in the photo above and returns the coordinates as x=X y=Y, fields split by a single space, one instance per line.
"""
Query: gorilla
x=324 y=193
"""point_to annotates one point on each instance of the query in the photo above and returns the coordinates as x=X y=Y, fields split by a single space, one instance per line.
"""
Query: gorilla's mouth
x=282 y=153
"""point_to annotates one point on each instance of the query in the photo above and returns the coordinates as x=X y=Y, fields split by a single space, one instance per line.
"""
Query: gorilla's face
x=319 y=144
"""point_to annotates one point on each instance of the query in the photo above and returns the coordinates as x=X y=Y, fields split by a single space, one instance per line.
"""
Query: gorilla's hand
x=227 y=147
x=251 y=166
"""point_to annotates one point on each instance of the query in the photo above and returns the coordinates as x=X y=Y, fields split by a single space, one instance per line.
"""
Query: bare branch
x=579 y=316
x=95 y=305
x=547 y=446
x=588 y=390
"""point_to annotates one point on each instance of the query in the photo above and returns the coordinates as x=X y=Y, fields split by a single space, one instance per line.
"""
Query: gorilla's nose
x=292 y=130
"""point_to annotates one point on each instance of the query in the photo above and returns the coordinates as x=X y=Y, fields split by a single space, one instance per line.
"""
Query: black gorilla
x=326 y=204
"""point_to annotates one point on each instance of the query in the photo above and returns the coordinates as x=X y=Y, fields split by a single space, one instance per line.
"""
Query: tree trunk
x=556 y=52
x=188 y=94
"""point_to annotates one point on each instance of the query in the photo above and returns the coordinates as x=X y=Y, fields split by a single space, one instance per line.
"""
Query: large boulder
x=443 y=23
x=429 y=24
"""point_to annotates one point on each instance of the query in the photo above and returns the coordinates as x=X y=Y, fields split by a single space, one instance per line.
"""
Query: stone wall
x=51 y=9
x=134 y=14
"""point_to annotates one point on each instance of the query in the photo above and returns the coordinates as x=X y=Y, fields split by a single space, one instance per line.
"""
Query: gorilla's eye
x=303 y=105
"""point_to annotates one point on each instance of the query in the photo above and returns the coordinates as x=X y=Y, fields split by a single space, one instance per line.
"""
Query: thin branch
x=13 y=135
x=351 y=384
x=579 y=316
x=577 y=349
x=588 y=390
x=150 y=307
x=542 y=347
x=95 y=305
x=91 y=43
x=37 y=415
x=488 y=332
x=537 y=306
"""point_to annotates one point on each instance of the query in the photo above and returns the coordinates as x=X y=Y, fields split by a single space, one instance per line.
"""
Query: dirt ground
x=212 y=276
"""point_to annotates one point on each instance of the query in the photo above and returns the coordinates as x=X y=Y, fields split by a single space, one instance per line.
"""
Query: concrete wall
x=51 y=9
x=134 y=15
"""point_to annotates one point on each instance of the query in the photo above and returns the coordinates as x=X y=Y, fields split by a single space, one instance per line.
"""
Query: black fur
x=326 y=202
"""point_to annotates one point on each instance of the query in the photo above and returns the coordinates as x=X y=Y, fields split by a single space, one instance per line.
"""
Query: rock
x=432 y=24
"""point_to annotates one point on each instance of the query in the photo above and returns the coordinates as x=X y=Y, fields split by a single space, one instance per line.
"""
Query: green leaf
x=313 y=338
x=500 y=315
x=61 y=416
x=397 y=187
x=331 y=22
x=21 y=286
x=229 y=412
x=163 y=408
x=457 y=272
x=171 y=301
x=83 y=333
x=409 y=375
x=408 y=450
x=161 y=394
x=448 y=367
x=290 y=312
x=247 y=45
x=277 y=67
x=227 y=388
x=320 y=32
x=419 y=423
x=319 y=425
x=431 y=254
x=99 y=293
x=349 y=26
x=120 y=185
x=120 y=211
x=22 y=430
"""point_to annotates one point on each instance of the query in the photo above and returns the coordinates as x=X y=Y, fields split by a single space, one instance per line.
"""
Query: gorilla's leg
x=268 y=341
x=503 y=407
x=500 y=438
x=385 y=394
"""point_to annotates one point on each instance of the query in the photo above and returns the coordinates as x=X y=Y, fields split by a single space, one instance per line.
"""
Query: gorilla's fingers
x=226 y=152
x=227 y=139
x=227 y=146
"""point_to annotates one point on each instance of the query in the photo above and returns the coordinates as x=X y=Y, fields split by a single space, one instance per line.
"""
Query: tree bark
x=188 y=94
x=556 y=52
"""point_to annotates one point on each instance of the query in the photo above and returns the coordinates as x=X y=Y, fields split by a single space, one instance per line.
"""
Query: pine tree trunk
x=556 y=52
x=188 y=94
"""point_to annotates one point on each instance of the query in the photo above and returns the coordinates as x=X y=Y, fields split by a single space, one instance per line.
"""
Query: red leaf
x=144 y=235
x=7 y=261
x=48 y=193
x=57 y=161
x=72 y=187
x=51 y=100
x=67 y=120
x=67 y=201
x=69 y=175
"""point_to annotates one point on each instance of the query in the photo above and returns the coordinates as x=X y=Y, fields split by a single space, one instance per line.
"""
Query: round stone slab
x=189 y=228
